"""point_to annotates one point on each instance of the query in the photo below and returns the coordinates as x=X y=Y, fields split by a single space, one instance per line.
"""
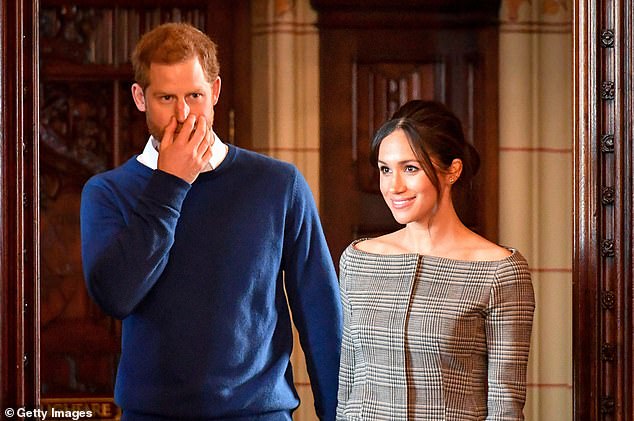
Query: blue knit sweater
x=198 y=274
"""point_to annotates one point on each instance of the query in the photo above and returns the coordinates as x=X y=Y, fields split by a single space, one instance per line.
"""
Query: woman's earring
x=452 y=180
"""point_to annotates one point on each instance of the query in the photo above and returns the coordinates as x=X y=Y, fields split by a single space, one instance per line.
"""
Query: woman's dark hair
x=433 y=132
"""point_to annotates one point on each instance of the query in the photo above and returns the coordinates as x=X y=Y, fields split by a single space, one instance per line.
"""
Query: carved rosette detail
x=607 y=248
x=607 y=143
x=607 y=196
x=607 y=38
x=607 y=300
x=607 y=90
x=607 y=352
x=607 y=405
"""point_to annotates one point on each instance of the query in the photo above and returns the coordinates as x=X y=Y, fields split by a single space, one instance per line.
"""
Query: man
x=195 y=245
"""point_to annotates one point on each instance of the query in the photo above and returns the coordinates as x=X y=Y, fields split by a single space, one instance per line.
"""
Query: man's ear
x=215 y=89
x=139 y=96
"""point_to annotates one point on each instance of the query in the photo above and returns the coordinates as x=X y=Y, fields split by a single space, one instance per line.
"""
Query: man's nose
x=182 y=110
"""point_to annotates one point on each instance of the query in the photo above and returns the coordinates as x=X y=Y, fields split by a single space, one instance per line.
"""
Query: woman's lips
x=401 y=203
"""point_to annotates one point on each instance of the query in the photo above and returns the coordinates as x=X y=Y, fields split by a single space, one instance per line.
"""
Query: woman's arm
x=508 y=330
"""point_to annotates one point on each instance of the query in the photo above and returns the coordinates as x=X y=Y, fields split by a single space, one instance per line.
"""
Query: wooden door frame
x=19 y=204
x=602 y=262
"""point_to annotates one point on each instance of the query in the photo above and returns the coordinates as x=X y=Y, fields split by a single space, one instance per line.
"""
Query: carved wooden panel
x=76 y=134
x=381 y=88
x=76 y=131
x=81 y=34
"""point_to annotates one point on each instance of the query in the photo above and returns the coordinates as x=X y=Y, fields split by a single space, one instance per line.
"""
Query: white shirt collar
x=149 y=156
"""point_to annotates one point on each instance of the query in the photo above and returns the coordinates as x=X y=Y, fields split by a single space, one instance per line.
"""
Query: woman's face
x=407 y=190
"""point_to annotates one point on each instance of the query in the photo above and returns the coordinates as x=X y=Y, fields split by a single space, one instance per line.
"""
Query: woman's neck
x=440 y=235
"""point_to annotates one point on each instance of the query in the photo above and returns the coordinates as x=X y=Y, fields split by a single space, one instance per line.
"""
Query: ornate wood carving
x=607 y=143
x=607 y=352
x=76 y=131
x=78 y=33
x=607 y=38
x=603 y=322
x=607 y=196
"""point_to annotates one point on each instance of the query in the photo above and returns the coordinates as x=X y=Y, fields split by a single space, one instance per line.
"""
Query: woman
x=437 y=319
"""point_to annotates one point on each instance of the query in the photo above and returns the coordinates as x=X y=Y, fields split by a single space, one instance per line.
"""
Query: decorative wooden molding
x=607 y=196
x=602 y=268
x=607 y=38
x=607 y=143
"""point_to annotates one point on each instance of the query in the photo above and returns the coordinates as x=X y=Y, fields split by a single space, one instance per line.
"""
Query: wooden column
x=603 y=302
x=19 y=192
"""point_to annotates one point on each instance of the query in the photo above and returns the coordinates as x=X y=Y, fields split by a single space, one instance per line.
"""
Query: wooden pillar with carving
x=604 y=173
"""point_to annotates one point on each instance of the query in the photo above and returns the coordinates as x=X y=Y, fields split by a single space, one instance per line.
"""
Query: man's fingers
x=168 y=134
x=199 y=136
x=186 y=129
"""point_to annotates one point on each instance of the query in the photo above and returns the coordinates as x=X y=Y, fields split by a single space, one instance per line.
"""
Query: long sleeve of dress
x=346 y=367
x=508 y=331
x=311 y=284
x=126 y=236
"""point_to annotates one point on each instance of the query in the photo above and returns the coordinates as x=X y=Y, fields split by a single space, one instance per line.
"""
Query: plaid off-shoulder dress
x=432 y=338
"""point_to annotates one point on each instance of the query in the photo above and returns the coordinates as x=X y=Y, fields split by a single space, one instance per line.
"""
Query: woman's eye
x=411 y=168
x=384 y=170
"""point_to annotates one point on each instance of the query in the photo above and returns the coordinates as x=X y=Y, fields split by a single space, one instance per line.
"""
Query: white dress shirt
x=149 y=156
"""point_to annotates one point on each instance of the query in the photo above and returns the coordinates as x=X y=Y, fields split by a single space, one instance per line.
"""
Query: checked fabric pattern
x=431 y=338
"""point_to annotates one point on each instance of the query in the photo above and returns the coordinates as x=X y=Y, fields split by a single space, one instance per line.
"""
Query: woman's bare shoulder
x=385 y=244
x=484 y=250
